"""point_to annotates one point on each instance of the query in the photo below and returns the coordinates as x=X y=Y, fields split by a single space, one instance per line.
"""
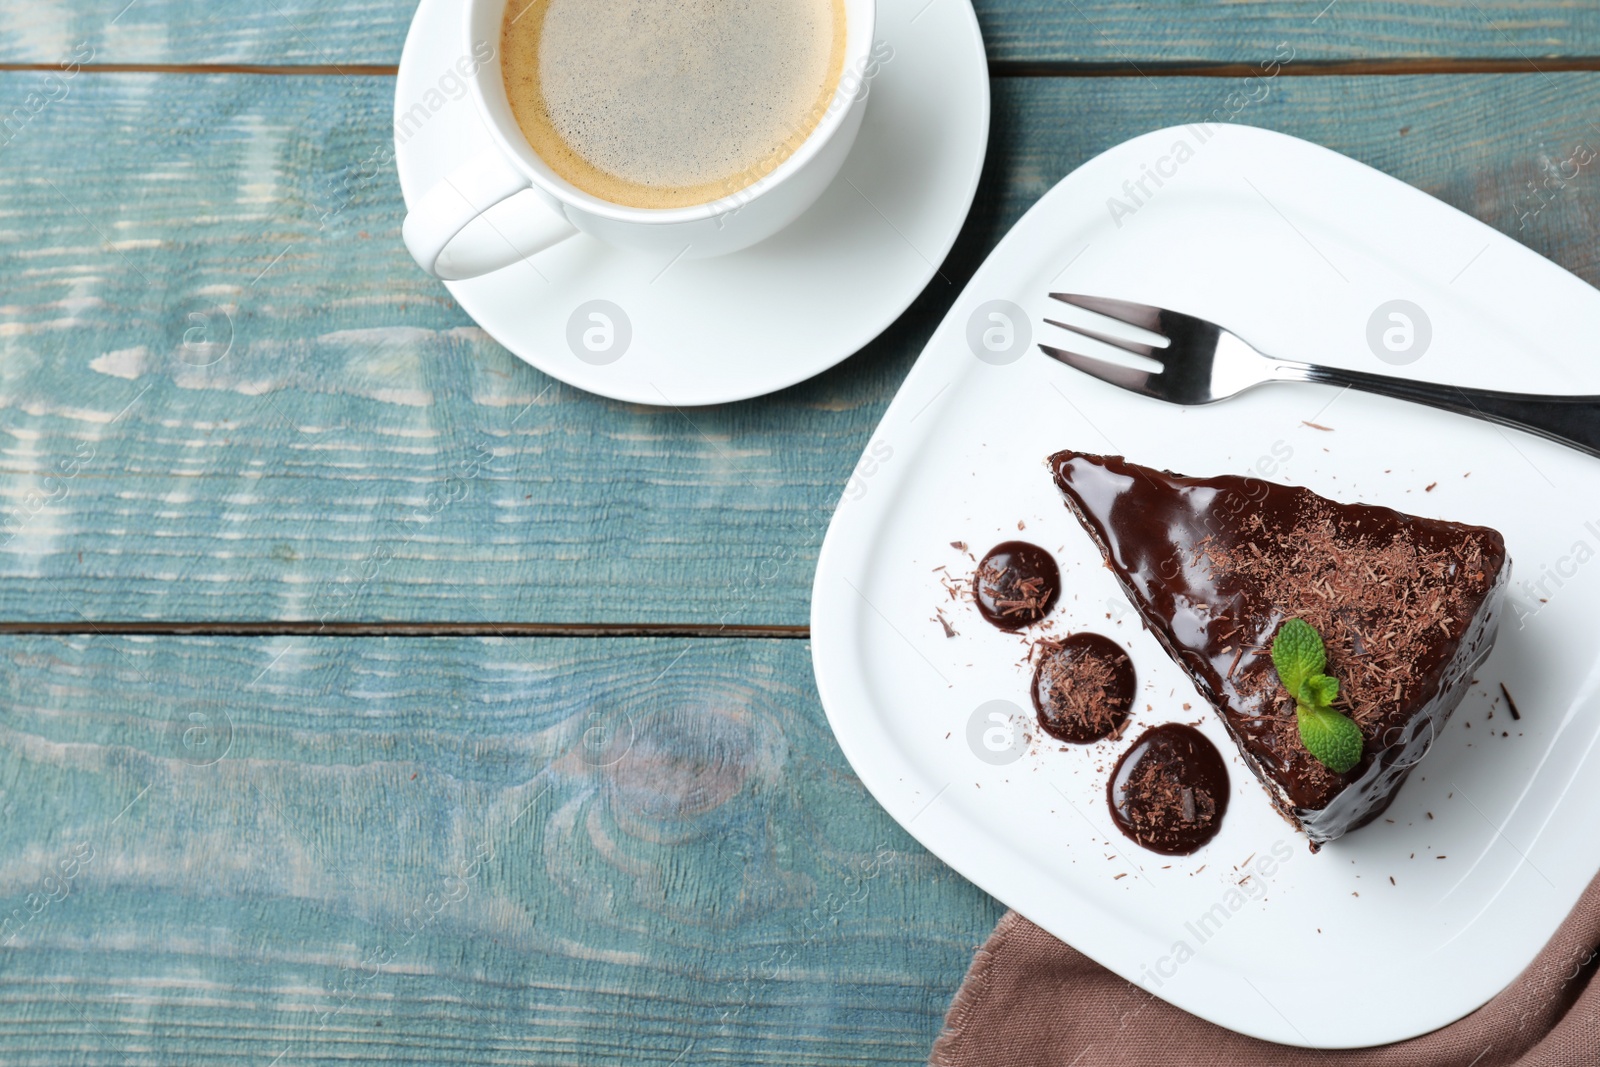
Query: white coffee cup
x=434 y=224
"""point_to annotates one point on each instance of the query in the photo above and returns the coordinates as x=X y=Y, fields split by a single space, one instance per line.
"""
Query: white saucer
x=1395 y=929
x=718 y=330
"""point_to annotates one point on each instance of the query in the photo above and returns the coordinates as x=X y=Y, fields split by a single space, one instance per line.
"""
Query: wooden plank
x=1253 y=31
x=363 y=452
x=333 y=33
x=343 y=431
x=221 y=851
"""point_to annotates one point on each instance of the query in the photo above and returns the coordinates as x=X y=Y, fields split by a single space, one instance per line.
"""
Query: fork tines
x=1123 y=311
x=1141 y=315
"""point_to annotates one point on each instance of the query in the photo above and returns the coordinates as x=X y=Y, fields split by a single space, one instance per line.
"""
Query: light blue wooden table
x=293 y=761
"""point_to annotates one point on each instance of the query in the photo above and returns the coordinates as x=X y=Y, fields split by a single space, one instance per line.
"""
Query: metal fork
x=1204 y=363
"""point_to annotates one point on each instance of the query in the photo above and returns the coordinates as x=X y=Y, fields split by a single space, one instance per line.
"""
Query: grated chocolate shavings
x=1511 y=705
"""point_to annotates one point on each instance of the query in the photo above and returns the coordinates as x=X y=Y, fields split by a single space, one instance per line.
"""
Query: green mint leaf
x=1297 y=653
x=1334 y=739
x=1318 y=691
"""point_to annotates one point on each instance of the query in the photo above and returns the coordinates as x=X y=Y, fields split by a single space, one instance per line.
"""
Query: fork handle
x=1571 y=420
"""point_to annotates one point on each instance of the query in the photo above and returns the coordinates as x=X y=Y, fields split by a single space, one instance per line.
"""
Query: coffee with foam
x=670 y=103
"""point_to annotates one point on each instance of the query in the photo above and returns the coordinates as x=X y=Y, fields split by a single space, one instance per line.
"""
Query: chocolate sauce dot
x=1083 y=688
x=1169 y=791
x=1016 y=584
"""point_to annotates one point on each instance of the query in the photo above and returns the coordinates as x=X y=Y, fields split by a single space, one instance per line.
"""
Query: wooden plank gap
x=312 y=628
x=347 y=70
x=1299 y=68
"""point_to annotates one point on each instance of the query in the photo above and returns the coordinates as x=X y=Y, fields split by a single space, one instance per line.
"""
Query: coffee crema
x=670 y=103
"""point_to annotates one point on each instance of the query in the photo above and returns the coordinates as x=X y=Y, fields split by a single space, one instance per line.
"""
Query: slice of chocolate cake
x=1407 y=608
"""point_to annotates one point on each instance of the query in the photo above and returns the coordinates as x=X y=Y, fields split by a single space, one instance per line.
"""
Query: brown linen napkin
x=1030 y=1001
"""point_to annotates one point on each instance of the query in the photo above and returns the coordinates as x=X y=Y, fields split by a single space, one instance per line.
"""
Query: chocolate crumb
x=1511 y=705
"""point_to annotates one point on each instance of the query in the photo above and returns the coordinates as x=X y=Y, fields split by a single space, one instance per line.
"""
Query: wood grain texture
x=453 y=851
x=227 y=393
x=1250 y=31
x=332 y=33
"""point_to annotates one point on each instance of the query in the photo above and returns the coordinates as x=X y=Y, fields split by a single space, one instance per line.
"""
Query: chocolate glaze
x=1016 y=584
x=1169 y=791
x=1083 y=688
x=1214 y=565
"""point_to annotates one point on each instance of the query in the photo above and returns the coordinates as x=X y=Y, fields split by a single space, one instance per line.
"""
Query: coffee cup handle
x=461 y=197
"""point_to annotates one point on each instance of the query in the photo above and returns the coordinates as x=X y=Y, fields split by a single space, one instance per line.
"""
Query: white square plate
x=1400 y=927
